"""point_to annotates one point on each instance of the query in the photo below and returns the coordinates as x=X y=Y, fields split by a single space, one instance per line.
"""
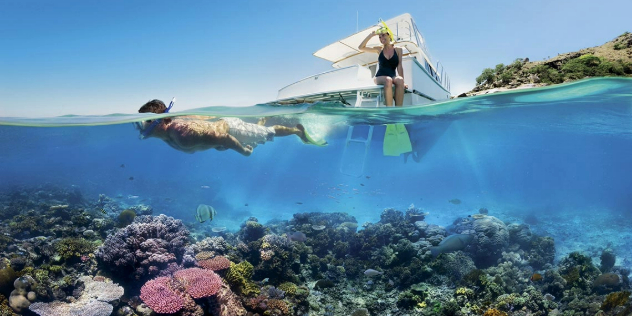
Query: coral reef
x=145 y=247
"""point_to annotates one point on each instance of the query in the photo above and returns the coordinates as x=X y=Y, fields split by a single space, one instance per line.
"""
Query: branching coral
x=239 y=275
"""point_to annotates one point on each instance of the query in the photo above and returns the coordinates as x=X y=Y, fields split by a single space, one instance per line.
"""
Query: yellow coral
x=494 y=312
x=422 y=304
x=465 y=291
x=265 y=245
x=288 y=287
x=204 y=255
x=615 y=299
x=240 y=276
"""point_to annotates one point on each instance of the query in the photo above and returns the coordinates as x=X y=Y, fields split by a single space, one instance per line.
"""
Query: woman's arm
x=365 y=49
x=400 y=68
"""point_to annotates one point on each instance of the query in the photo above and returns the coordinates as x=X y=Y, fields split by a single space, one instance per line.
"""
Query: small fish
x=264 y=281
x=246 y=204
x=205 y=212
x=368 y=177
x=455 y=201
x=131 y=178
x=218 y=229
x=122 y=165
x=372 y=273
x=536 y=277
x=132 y=196
x=299 y=203
x=296 y=236
x=318 y=227
x=103 y=211
x=361 y=184
x=205 y=187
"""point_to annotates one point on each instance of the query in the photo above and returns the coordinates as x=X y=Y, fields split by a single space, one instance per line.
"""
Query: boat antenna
x=357 y=17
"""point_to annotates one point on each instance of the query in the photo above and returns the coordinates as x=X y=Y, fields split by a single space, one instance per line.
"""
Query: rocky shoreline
x=613 y=58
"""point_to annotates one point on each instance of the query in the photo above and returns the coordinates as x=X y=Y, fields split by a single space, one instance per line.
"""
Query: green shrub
x=488 y=76
x=547 y=74
x=506 y=76
x=517 y=64
x=619 y=46
x=500 y=68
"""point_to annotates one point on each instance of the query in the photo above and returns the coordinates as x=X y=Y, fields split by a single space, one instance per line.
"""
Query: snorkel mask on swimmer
x=384 y=29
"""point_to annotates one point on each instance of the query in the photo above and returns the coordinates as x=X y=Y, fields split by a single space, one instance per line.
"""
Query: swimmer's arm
x=365 y=49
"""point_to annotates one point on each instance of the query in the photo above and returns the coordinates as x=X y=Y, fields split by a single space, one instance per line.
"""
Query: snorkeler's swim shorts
x=249 y=133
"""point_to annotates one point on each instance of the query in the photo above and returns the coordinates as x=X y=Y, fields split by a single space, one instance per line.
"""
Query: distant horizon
x=76 y=58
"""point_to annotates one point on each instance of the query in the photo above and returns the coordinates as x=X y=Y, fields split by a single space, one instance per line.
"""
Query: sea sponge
x=126 y=217
x=239 y=275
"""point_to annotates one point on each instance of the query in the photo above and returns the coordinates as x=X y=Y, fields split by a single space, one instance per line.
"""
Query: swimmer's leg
x=230 y=142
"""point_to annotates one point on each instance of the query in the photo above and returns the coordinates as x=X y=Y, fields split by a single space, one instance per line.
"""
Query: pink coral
x=160 y=297
x=215 y=264
x=199 y=282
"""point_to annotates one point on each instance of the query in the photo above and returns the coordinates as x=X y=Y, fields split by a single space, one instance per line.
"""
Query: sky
x=89 y=57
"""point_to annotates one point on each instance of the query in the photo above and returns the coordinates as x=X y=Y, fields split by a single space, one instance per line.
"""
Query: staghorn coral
x=160 y=297
x=198 y=282
x=240 y=276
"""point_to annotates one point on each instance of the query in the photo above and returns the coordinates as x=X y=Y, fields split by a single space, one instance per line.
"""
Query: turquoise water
x=559 y=153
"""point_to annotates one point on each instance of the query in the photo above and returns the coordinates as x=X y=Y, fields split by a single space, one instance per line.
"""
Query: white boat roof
x=345 y=52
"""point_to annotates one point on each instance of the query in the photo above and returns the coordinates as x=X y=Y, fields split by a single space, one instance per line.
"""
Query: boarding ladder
x=359 y=139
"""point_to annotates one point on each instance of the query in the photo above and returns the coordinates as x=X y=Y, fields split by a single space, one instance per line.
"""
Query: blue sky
x=100 y=57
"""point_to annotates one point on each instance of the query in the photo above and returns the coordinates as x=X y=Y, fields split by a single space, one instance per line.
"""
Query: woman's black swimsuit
x=387 y=66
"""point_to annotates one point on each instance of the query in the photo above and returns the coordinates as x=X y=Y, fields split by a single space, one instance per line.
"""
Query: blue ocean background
x=557 y=158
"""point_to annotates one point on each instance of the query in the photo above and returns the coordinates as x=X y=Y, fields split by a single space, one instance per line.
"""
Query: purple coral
x=147 y=246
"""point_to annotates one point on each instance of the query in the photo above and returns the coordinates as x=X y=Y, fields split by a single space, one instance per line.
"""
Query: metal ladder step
x=354 y=160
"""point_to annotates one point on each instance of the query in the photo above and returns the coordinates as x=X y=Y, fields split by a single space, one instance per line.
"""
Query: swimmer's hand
x=247 y=150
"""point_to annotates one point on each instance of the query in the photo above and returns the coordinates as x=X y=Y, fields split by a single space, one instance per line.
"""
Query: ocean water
x=558 y=158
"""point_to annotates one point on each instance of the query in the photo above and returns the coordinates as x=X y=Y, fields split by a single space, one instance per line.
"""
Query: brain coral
x=490 y=237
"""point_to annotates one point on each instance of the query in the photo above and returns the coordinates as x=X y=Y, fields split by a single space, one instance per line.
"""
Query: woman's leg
x=388 y=88
x=399 y=90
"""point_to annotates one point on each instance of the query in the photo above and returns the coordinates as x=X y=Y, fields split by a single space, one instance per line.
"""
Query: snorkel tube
x=144 y=133
x=390 y=33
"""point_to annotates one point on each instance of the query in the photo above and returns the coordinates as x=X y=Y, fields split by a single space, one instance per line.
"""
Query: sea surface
x=557 y=158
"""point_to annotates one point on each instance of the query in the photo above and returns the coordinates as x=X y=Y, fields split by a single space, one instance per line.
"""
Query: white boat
x=351 y=80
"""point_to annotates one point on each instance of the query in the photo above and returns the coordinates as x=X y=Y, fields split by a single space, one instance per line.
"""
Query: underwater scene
x=515 y=203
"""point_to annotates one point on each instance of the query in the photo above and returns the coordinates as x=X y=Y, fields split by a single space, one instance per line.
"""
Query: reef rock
x=93 y=301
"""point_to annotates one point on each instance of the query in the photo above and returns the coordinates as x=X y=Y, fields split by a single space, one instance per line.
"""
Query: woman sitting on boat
x=390 y=59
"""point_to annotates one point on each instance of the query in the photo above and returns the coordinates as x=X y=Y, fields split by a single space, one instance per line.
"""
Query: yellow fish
x=103 y=211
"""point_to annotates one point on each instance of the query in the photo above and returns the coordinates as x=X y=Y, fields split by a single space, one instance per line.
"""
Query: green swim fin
x=396 y=140
x=310 y=140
